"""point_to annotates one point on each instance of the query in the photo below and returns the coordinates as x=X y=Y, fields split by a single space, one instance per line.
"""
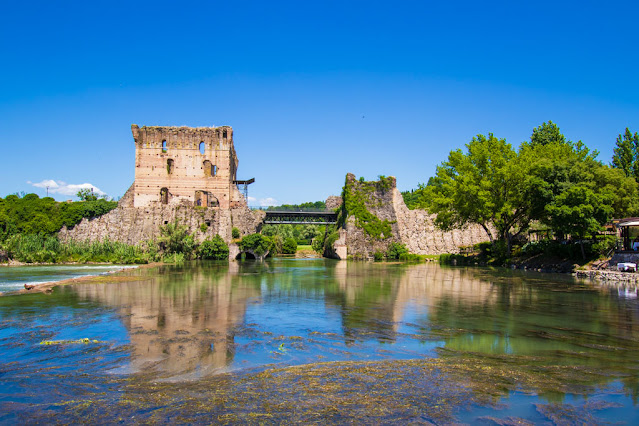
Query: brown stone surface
x=185 y=166
x=194 y=196
x=414 y=228
x=333 y=202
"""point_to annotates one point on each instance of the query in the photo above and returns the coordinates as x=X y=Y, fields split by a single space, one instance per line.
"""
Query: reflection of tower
x=179 y=323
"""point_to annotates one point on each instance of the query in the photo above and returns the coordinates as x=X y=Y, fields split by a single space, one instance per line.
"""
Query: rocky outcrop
x=378 y=216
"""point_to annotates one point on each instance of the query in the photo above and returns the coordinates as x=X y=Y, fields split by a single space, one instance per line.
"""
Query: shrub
x=235 y=233
x=257 y=243
x=203 y=227
x=214 y=248
x=396 y=250
x=378 y=256
x=175 y=238
x=290 y=246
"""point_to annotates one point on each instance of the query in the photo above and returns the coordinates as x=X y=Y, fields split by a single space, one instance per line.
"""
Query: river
x=316 y=340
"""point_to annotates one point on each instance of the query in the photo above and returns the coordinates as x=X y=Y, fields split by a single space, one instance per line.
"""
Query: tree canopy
x=550 y=180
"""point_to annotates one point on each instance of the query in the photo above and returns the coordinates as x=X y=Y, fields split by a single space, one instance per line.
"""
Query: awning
x=633 y=223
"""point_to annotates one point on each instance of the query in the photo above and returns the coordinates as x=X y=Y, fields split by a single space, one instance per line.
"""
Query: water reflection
x=181 y=320
x=549 y=334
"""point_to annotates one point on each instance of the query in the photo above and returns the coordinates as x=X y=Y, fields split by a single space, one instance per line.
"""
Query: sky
x=312 y=89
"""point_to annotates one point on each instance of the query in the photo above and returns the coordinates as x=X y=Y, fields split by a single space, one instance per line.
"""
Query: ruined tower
x=185 y=166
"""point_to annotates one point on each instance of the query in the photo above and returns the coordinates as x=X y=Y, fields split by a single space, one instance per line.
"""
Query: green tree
x=175 y=238
x=626 y=154
x=290 y=246
x=235 y=233
x=214 y=248
x=86 y=195
x=257 y=243
x=547 y=133
x=485 y=186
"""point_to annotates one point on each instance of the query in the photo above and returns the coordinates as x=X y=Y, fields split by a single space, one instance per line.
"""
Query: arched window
x=224 y=134
x=163 y=146
x=214 y=171
x=202 y=148
x=208 y=169
x=164 y=195
x=170 y=164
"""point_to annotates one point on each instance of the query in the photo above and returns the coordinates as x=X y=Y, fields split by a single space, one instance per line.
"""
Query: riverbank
x=31 y=280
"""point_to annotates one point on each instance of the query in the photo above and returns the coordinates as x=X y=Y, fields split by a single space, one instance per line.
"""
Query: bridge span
x=300 y=218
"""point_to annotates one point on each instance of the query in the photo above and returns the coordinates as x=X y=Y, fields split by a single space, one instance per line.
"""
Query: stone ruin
x=181 y=173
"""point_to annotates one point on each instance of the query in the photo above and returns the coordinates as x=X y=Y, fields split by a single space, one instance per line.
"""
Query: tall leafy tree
x=547 y=133
x=626 y=154
x=484 y=186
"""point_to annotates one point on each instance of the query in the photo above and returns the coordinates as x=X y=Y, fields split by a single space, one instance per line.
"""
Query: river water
x=316 y=340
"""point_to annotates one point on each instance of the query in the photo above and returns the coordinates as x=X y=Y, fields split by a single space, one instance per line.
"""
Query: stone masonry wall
x=414 y=228
x=134 y=225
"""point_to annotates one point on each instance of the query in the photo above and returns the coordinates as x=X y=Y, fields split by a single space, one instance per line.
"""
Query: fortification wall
x=414 y=228
x=133 y=225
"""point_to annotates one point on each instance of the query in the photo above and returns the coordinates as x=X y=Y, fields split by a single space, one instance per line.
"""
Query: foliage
x=550 y=180
x=31 y=214
x=177 y=258
x=356 y=196
x=302 y=234
x=86 y=195
x=412 y=198
x=290 y=246
x=203 y=227
x=235 y=233
x=259 y=244
x=318 y=243
x=304 y=207
x=175 y=238
x=485 y=186
x=546 y=134
x=32 y=248
x=626 y=154
x=214 y=248
x=378 y=256
x=396 y=250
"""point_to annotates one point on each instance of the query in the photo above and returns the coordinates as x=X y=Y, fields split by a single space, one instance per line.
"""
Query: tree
x=86 y=195
x=547 y=133
x=485 y=186
x=626 y=154
x=289 y=246
x=175 y=238
x=214 y=248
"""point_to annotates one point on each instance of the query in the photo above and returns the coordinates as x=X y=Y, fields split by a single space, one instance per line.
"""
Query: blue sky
x=313 y=90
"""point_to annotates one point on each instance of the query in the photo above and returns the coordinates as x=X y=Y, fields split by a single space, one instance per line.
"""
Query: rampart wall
x=414 y=228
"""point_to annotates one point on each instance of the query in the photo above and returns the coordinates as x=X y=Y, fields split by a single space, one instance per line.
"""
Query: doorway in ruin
x=164 y=195
x=170 y=165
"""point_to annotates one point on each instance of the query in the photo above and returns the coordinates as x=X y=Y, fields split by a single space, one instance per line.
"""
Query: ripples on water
x=310 y=340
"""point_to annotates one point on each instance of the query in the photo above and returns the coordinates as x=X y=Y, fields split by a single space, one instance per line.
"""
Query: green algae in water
x=318 y=341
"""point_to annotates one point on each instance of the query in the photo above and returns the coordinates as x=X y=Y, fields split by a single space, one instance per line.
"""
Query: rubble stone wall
x=414 y=228
x=133 y=225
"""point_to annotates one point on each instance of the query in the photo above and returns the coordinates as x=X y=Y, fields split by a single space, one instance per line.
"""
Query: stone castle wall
x=133 y=225
x=414 y=228
x=185 y=166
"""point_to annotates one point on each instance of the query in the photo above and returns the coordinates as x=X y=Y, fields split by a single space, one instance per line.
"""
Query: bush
x=396 y=250
x=290 y=246
x=235 y=233
x=175 y=238
x=214 y=248
x=378 y=256
x=257 y=243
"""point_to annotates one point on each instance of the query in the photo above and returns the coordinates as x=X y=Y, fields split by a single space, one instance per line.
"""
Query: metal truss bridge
x=300 y=218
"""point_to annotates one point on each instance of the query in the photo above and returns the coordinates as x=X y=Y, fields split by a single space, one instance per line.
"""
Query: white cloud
x=269 y=201
x=71 y=189
x=252 y=200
